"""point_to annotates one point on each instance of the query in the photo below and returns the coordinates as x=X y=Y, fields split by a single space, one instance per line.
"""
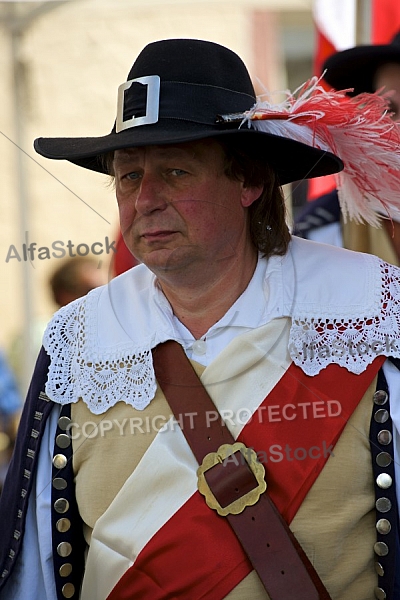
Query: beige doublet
x=335 y=524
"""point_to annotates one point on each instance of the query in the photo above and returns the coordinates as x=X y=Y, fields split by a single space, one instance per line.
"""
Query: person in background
x=71 y=279
x=199 y=427
x=74 y=278
x=369 y=68
x=10 y=410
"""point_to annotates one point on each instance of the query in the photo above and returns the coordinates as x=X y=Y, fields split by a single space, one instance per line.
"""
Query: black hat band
x=144 y=100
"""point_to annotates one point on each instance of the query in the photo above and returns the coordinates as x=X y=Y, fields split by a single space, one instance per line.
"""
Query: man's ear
x=250 y=194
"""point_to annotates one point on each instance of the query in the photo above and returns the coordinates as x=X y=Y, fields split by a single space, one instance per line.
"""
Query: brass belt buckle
x=248 y=499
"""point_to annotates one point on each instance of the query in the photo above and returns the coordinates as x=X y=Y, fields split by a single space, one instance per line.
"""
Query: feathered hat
x=354 y=69
x=182 y=90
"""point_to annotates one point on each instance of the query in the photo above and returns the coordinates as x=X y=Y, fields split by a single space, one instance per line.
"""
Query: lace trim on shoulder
x=351 y=343
x=100 y=381
x=123 y=370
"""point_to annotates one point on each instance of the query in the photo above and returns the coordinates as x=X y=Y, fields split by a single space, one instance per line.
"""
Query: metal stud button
x=61 y=505
x=379 y=569
x=380 y=594
x=65 y=570
x=383 y=459
x=68 y=590
x=60 y=461
x=383 y=505
x=59 y=483
x=384 y=437
x=64 y=422
x=381 y=549
x=65 y=549
x=383 y=526
x=384 y=481
x=381 y=416
x=63 y=525
x=63 y=440
x=380 y=397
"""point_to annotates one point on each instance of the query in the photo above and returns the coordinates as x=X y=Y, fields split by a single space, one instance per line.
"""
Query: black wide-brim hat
x=175 y=92
x=356 y=67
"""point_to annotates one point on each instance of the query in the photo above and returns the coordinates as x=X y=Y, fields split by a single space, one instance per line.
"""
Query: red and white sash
x=158 y=539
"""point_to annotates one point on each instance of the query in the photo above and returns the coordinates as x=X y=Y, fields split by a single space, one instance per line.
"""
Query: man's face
x=388 y=77
x=178 y=210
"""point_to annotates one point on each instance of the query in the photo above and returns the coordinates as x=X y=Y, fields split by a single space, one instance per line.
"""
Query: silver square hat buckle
x=152 y=103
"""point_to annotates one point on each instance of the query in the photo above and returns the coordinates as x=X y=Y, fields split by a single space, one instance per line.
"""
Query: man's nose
x=150 y=196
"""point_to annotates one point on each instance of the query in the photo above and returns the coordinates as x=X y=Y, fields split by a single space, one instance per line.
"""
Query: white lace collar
x=344 y=308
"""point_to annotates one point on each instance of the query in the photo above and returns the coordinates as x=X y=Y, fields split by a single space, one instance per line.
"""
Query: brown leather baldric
x=271 y=547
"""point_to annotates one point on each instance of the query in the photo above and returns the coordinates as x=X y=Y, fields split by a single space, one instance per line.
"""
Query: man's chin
x=183 y=260
x=166 y=260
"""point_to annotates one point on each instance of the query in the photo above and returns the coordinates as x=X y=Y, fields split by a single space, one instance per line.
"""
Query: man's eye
x=178 y=172
x=132 y=176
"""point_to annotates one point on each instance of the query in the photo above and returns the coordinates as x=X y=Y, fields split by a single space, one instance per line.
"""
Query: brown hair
x=268 y=229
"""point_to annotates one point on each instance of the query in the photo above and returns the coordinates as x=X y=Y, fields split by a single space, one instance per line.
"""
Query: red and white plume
x=358 y=130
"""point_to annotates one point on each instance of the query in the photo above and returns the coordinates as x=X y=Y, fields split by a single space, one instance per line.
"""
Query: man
x=367 y=68
x=105 y=483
